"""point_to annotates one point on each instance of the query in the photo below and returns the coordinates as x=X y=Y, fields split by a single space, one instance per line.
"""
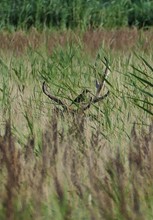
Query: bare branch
x=81 y=100
x=100 y=98
x=100 y=85
x=94 y=100
x=55 y=99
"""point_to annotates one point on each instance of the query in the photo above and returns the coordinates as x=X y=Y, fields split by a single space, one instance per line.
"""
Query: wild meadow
x=95 y=164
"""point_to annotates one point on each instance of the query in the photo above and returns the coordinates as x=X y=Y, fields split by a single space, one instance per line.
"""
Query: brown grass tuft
x=68 y=177
x=116 y=40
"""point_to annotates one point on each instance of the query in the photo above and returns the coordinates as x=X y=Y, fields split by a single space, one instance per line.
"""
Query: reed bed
x=91 y=165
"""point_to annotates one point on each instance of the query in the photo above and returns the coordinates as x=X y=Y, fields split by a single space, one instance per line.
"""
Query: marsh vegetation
x=95 y=165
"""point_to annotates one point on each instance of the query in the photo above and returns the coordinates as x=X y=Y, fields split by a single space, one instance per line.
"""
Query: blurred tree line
x=75 y=13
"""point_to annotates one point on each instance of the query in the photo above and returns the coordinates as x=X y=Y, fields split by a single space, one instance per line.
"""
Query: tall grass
x=96 y=165
x=75 y=14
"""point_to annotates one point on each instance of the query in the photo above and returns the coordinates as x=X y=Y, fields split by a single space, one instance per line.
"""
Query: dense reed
x=91 y=165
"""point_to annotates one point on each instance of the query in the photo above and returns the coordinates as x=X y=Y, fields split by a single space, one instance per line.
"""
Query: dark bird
x=82 y=97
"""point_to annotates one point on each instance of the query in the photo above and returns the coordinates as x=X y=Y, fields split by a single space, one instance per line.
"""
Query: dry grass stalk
x=91 y=181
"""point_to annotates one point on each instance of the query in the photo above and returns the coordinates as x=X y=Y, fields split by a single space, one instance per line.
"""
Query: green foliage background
x=75 y=13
